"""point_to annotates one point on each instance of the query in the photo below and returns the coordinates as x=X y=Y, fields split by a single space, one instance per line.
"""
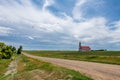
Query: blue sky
x=60 y=24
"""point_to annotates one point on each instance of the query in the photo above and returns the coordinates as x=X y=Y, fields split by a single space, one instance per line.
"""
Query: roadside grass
x=3 y=65
x=33 y=69
x=110 y=57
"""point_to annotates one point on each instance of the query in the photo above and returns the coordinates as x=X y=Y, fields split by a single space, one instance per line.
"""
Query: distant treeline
x=100 y=50
x=7 y=51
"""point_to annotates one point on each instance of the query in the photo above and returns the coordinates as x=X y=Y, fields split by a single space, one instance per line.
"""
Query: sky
x=60 y=24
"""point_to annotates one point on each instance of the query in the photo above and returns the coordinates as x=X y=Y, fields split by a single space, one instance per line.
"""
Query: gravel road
x=97 y=71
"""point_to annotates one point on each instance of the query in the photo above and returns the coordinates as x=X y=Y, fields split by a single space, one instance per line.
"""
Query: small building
x=84 y=48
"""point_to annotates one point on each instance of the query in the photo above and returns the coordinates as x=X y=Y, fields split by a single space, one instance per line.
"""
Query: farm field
x=110 y=57
x=33 y=69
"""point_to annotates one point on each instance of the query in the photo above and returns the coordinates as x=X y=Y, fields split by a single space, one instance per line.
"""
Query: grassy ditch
x=32 y=69
x=110 y=57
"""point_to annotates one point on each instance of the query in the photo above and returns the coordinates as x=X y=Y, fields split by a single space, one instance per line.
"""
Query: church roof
x=85 y=47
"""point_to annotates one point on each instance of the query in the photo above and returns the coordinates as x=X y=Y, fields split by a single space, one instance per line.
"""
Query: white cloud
x=77 y=10
x=46 y=4
x=115 y=34
x=90 y=30
x=30 y=37
x=4 y=31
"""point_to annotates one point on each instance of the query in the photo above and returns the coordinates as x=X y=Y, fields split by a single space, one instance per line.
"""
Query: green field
x=110 y=57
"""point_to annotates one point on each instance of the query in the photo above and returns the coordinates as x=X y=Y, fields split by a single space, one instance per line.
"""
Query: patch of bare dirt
x=30 y=75
x=97 y=71
x=38 y=75
x=12 y=68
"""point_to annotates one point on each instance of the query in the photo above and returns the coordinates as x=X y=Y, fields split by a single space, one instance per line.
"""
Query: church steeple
x=79 y=46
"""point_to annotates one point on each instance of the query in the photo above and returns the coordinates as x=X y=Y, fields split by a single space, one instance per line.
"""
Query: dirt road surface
x=97 y=71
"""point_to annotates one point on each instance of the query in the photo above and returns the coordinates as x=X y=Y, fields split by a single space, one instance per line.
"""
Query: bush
x=6 y=52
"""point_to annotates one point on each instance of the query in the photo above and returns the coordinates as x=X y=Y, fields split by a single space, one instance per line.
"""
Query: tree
x=0 y=55
x=13 y=49
x=19 y=51
x=6 y=52
x=2 y=44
